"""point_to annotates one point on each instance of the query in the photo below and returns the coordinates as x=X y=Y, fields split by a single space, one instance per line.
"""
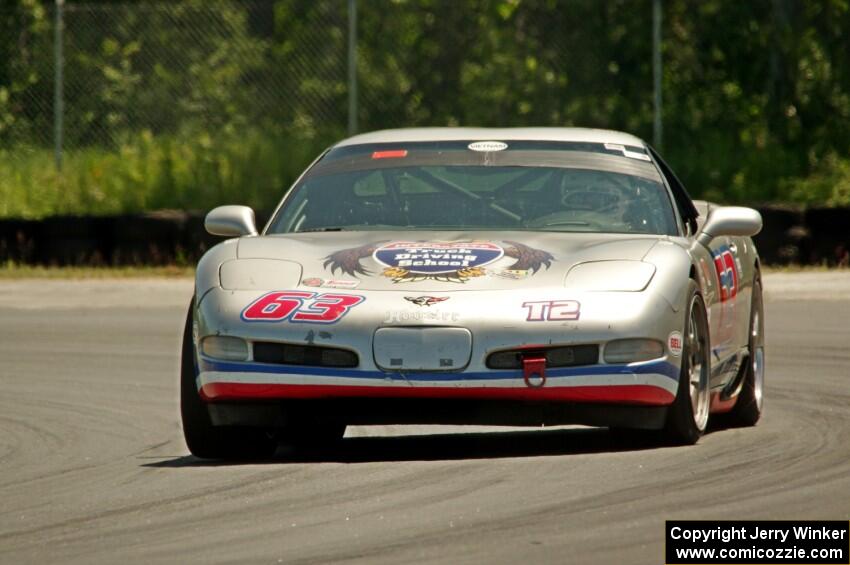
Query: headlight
x=633 y=350
x=225 y=347
x=259 y=274
x=610 y=276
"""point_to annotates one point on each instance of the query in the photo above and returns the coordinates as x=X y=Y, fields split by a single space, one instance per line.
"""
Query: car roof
x=586 y=135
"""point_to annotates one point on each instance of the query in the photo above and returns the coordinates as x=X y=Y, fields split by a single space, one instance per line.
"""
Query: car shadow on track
x=454 y=446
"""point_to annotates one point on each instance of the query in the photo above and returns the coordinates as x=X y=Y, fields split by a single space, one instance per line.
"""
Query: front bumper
x=496 y=320
x=651 y=383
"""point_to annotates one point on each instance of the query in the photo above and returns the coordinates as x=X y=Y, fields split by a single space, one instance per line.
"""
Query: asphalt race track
x=93 y=468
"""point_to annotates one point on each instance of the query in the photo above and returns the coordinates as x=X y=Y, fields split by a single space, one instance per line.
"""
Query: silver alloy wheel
x=758 y=360
x=697 y=369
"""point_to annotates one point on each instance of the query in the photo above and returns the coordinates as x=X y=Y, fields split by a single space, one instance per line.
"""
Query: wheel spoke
x=697 y=370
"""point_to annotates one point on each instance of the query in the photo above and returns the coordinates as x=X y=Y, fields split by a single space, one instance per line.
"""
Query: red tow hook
x=534 y=371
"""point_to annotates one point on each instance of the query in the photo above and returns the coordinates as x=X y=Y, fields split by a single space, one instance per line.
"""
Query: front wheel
x=748 y=407
x=687 y=419
x=202 y=438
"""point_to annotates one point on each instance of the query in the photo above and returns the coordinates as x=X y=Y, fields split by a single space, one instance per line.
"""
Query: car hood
x=442 y=260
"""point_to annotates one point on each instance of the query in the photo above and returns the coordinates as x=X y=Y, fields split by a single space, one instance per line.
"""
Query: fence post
x=352 y=67
x=657 y=137
x=58 y=97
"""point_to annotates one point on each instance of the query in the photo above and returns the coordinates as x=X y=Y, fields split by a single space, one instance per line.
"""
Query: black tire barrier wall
x=155 y=238
x=790 y=236
x=812 y=236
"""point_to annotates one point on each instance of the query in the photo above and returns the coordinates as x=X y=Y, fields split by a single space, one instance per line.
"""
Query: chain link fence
x=167 y=67
x=114 y=107
x=162 y=67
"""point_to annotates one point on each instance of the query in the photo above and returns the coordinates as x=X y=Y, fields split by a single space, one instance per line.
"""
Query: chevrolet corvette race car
x=535 y=276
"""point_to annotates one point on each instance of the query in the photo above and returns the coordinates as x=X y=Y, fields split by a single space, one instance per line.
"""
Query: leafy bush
x=170 y=104
x=829 y=183
x=189 y=171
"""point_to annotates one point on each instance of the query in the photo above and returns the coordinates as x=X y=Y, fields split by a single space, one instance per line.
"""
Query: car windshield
x=448 y=186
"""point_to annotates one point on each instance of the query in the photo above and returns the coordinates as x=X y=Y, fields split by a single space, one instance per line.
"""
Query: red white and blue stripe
x=648 y=383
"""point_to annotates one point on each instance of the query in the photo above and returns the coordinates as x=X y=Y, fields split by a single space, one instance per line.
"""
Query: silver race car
x=491 y=276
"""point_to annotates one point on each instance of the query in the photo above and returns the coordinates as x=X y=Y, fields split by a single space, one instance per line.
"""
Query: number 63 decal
x=300 y=306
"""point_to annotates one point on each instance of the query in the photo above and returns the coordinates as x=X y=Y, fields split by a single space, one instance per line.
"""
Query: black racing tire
x=687 y=417
x=635 y=437
x=202 y=438
x=750 y=404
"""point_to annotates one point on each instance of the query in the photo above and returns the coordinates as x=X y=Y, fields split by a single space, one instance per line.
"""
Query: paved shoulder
x=41 y=294
x=808 y=285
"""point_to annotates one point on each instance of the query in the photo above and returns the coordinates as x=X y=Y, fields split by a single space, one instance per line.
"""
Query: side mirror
x=231 y=221
x=730 y=220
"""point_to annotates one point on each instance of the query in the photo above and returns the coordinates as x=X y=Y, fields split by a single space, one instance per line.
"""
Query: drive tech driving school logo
x=432 y=260
x=456 y=261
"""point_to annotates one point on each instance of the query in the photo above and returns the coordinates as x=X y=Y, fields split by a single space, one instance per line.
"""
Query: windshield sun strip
x=528 y=159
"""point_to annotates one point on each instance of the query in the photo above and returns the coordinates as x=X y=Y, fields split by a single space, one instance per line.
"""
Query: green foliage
x=161 y=67
x=191 y=103
x=753 y=99
x=25 y=70
x=147 y=172
x=829 y=183
x=9 y=270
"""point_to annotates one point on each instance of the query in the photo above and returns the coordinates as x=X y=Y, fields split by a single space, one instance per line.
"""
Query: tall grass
x=144 y=172
x=200 y=171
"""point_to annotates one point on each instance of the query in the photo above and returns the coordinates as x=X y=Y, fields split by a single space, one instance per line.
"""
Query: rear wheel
x=748 y=407
x=202 y=438
x=687 y=419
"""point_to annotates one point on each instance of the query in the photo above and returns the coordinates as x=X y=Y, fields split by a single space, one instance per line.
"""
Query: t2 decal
x=552 y=310
x=300 y=306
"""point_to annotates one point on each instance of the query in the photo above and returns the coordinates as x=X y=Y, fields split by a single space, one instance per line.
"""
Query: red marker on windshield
x=393 y=154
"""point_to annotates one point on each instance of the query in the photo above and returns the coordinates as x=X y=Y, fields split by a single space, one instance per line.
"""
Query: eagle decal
x=527 y=258
x=456 y=261
x=348 y=260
